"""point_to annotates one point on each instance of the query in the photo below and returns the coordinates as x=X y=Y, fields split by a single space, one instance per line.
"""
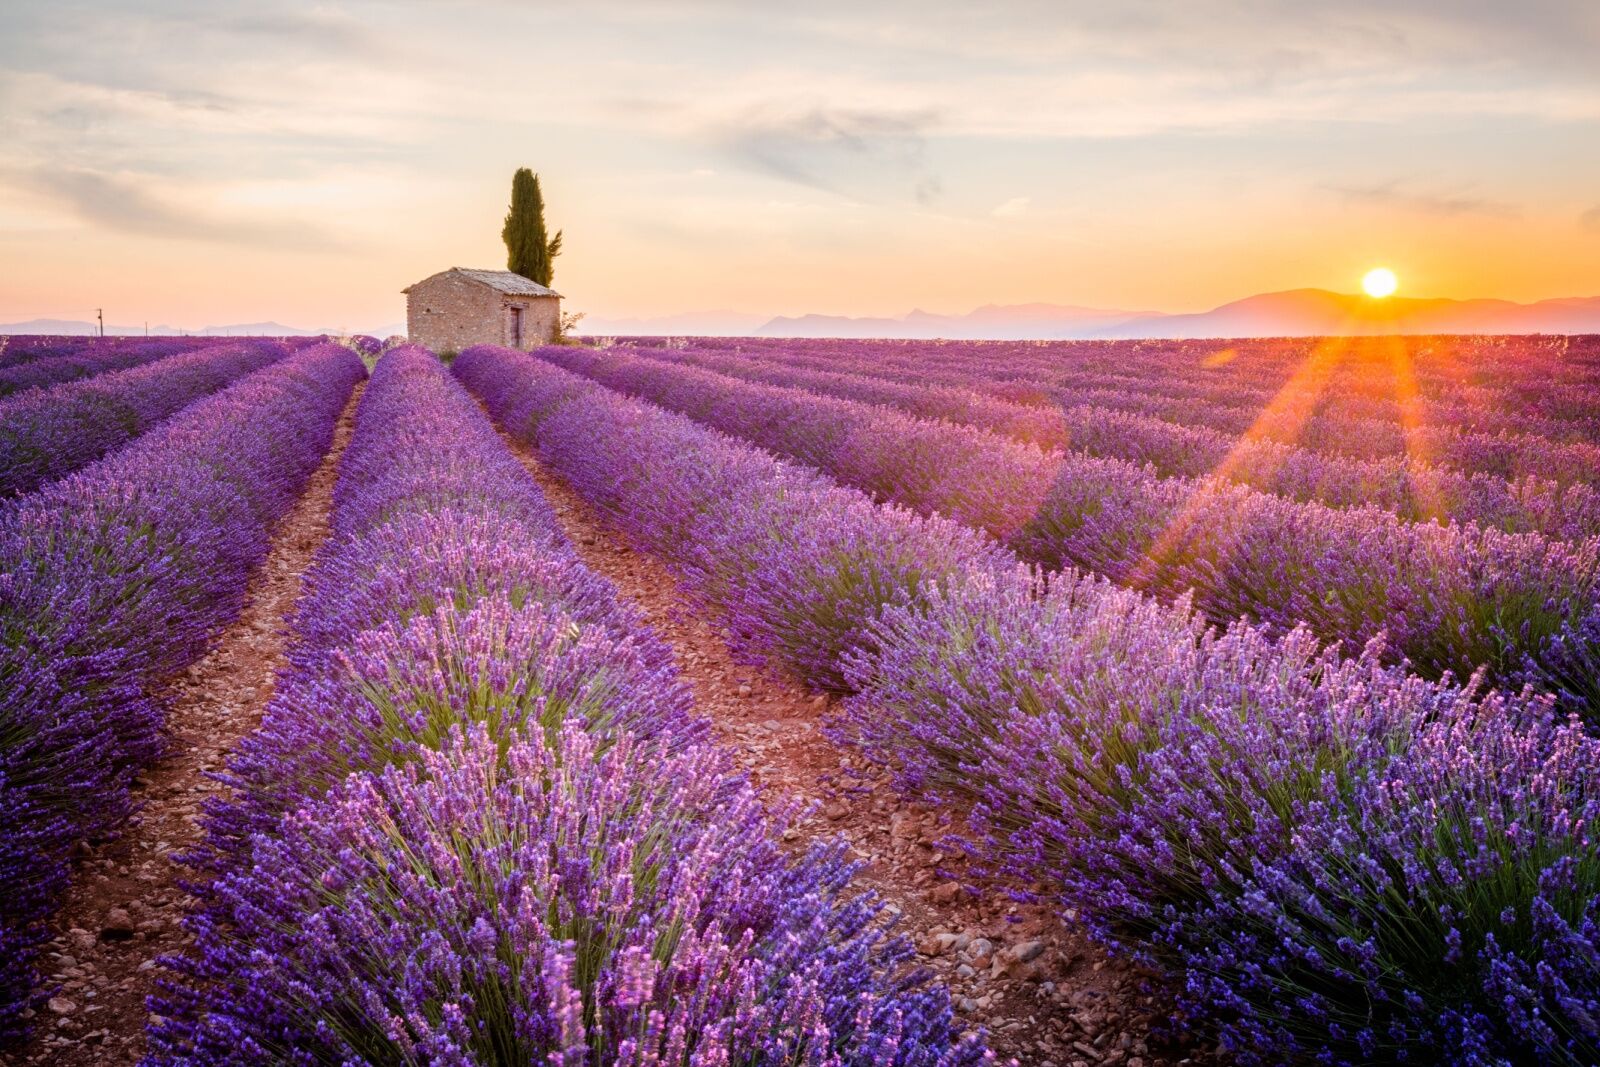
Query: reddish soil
x=125 y=905
x=1046 y=995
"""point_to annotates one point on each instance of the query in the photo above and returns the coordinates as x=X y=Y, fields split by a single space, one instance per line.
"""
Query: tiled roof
x=505 y=281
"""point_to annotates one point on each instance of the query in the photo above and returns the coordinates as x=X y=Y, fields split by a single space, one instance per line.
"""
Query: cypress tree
x=529 y=252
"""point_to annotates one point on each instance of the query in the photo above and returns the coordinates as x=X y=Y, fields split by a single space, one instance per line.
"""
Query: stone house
x=458 y=307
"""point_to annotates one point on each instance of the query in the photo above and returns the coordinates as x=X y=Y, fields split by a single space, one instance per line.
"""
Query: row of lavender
x=1414 y=490
x=1550 y=379
x=1449 y=366
x=1382 y=400
x=1456 y=598
x=1280 y=416
x=1509 y=453
x=1548 y=382
x=22 y=348
x=1377 y=383
x=481 y=823
x=1290 y=415
x=1340 y=862
x=110 y=580
x=47 y=433
x=1305 y=411
x=17 y=349
x=1457 y=367
x=83 y=360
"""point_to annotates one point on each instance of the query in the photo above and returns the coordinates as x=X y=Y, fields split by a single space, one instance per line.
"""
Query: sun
x=1380 y=282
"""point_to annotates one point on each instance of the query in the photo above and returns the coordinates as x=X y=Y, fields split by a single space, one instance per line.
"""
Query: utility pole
x=147 y=327
x=100 y=315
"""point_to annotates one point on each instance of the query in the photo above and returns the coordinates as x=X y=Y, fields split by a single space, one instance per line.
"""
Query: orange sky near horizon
x=304 y=163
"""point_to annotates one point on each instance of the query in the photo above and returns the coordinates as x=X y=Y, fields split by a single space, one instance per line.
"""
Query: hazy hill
x=687 y=324
x=1292 y=313
x=990 y=322
x=1311 y=312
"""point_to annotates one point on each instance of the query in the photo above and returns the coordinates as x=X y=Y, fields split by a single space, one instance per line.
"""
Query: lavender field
x=769 y=701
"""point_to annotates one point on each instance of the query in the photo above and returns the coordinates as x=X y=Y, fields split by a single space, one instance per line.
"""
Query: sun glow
x=1380 y=282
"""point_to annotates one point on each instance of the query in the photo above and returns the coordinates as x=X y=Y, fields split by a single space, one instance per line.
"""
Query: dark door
x=516 y=327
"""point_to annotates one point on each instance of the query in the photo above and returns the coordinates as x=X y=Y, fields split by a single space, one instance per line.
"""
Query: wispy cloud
x=1590 y=220
x=1016 y=207
x=1276 y=41
x=1393 y=194
x=132 y=204
x=839 y=150
x=319 y=29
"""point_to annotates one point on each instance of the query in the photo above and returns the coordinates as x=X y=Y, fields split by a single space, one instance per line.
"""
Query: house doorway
x=516 y=327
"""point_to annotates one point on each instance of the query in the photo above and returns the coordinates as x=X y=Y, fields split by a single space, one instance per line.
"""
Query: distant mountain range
x=77 y=328
x=688 y=324
x=1315 y=312
x=992 y=321
x=1292 y=313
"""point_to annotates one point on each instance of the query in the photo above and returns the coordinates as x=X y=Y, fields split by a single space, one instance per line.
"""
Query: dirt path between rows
x=125 y=904
x=1046 y=995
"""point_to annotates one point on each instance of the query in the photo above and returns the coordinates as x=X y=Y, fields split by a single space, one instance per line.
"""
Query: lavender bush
x=1451 y=599
x=1388 y=386
x=24 y=348
x=365 y=345
x=1346 y=863
x=1412 y=489
x=71 y=359
x=1288 y=393
x=445 y=555
x=544 y=900
x=1337 y=860
x=51 y=432
x=111 y=579
x=799 y=573
x=480 y=823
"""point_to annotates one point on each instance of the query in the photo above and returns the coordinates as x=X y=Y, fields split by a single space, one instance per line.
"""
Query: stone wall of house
x=448 y=313
x=540 y=320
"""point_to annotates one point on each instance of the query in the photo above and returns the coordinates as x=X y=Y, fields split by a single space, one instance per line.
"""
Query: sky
x=195 y=163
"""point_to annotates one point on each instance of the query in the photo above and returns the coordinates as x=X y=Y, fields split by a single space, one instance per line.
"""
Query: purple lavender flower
x=480 y=822
x=1450 y=599
x=799 y=573
x=114 y=577
x=544 y=899
x=51 y=432
x=1335 y=859
x=1404 y=484
x=63 y=359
